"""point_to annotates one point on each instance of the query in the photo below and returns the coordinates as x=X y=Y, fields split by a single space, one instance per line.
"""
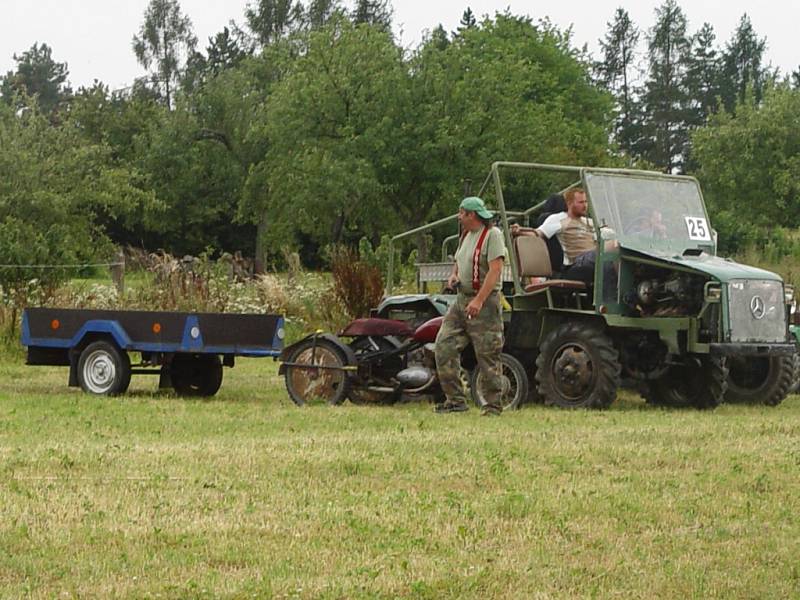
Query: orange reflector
x=156 y=327
x=55 y=324
x=603 y=309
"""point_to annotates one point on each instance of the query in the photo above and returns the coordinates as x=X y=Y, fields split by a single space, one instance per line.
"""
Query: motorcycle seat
x=379 y=327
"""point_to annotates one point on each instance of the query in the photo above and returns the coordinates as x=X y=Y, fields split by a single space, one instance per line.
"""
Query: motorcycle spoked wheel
x=306 y=384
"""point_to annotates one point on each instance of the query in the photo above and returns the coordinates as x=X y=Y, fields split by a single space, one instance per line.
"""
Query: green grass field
x=150 y=495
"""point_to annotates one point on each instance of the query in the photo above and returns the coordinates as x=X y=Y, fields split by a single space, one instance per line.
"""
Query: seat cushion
x=561 y=284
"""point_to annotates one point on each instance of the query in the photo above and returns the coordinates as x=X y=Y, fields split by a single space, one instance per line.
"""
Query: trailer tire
x=104 y=369
x=196 y=375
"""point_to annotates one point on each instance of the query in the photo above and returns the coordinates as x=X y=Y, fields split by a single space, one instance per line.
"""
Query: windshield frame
x=670 y=244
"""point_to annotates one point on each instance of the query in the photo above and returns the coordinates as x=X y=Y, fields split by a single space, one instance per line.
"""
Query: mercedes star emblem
x=757 y=307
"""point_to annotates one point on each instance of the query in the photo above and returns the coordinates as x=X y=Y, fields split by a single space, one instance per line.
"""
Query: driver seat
x=533 y=260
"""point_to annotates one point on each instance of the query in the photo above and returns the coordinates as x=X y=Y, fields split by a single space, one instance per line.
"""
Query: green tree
x=742 y=65
x=164 y=42
x=665 y=137
x=615 y=73
x=320 y=12
x=270 y=20
x=55 y=185
x=38 y=76
x=749 y=164
x=377 y=13
x=468 y=20
x=703 y=76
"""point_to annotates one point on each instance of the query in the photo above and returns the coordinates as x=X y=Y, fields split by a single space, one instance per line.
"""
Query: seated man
x=575 y=231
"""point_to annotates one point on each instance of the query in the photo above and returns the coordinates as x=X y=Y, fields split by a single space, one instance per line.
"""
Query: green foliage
x=749 y=164
x=665 y=134
x=37 y=76
x=53 y=188
x=164 y=42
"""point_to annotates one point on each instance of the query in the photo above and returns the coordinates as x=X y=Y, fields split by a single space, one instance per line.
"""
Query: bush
x=358 y=285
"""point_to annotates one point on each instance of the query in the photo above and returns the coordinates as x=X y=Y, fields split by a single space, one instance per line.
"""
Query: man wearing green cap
x=476 y=315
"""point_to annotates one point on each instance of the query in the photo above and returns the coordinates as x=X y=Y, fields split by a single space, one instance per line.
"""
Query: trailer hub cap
x=572 y=368
x=99 y=372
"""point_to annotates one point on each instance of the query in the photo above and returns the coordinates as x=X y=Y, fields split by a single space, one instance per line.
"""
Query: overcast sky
x=94 y=36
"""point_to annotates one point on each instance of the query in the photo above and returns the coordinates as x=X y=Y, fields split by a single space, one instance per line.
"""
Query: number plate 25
x=698 y=229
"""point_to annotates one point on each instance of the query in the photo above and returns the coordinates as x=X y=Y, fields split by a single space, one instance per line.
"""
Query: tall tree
x=666 y=138
x=38 y=75
x=270 y=20
x=615 y=73
x=703 y=76
x=743 y=68
x=468 y=20
x=319 y=12
x=377 y=13
x=795 y=78
x=749 y=163
x=165 y=40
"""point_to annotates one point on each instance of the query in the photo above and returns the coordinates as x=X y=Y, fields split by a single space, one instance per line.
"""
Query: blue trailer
x=186 y=350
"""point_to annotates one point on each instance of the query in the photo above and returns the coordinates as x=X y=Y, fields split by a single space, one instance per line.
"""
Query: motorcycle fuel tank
x=427 y=332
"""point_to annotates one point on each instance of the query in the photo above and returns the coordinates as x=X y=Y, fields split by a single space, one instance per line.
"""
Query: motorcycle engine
x=414 y=377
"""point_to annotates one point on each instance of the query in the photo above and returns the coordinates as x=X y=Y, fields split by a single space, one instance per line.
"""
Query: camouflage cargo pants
x=485 y=332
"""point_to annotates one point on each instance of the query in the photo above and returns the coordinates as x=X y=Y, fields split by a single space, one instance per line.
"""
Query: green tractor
x=662 y=312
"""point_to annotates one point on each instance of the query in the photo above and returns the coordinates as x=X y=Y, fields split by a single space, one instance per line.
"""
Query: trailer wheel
x=305 y=383
x=104 y=369
x=198 y=375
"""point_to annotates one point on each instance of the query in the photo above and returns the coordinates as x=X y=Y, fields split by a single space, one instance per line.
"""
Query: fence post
x=118 y=271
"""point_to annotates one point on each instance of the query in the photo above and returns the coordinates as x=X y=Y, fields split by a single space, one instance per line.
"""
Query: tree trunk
x=261 y=249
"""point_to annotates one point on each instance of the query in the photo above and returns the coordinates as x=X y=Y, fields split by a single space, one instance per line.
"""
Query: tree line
x=308 y=124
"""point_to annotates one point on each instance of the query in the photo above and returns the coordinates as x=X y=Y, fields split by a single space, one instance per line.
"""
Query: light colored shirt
x=575 y=235
x=494 y=246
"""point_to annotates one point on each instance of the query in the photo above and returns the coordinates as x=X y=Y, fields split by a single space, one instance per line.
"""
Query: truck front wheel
x=578 y=367
x=104 y=369
x=759 y=380
x=700 y=385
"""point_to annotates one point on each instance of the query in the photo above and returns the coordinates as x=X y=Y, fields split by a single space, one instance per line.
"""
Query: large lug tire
x=795 y=372
x=307 y=384
x=514 y=384
x=759 y=380
x=700 y=386
x=196 y=375
x=104 y=369
x=578 y=367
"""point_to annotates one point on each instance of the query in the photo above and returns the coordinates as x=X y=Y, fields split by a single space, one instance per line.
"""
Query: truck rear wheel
x=196 y=374
x=700 y=386
x=759 y=380
x=104 y=369
x=578 y=367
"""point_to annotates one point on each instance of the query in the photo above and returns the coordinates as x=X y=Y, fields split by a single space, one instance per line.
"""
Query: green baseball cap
x=476 y=205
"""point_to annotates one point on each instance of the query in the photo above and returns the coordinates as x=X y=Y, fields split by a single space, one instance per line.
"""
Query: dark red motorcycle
x=376 y=360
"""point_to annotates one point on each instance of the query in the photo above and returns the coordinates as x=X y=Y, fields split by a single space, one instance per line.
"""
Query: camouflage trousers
x=485 y=332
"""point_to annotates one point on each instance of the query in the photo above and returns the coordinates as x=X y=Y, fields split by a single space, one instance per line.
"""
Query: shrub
x=357 y=284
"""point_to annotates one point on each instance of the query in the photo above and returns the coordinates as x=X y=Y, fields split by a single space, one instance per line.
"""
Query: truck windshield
x=651 y=212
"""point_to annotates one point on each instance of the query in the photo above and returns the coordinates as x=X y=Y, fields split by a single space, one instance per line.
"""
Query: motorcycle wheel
x=306 y=384
x=514 y=382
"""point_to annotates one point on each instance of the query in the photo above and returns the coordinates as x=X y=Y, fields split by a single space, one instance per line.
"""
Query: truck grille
x=757 y=311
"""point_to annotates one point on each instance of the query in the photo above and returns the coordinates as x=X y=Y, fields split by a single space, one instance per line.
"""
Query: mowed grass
x=246 y=495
